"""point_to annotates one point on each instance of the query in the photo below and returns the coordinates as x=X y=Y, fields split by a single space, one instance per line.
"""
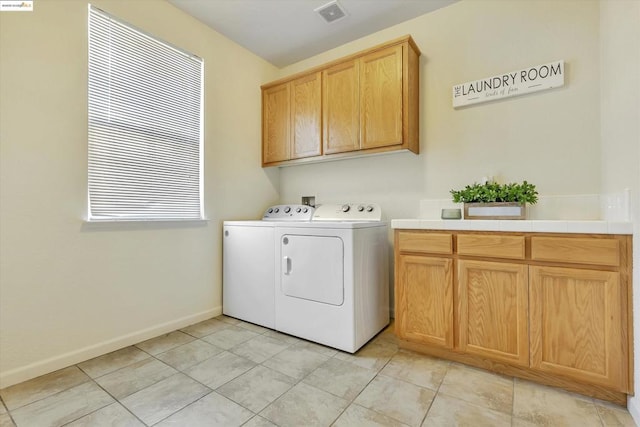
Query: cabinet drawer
x=434 y=243
x=495 y=246
x=576 y=250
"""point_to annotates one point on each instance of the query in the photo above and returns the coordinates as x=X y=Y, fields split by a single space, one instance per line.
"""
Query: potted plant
x=496 y=201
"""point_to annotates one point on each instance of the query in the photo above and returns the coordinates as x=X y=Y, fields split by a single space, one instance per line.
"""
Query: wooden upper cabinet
x=364 y=103
x=276 y=129
x=341 y=108
x=306 y=116
x=576 y=325
x=291 y=119
x=381 y=98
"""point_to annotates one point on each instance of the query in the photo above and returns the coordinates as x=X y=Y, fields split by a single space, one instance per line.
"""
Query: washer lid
x=248 y=223
x=348 y=212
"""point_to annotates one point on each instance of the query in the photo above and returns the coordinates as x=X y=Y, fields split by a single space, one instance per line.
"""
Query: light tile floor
x=225 y=372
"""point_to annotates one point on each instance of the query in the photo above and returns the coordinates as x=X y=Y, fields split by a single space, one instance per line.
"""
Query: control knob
x=360 y=208
x=298 y=210
x=369 y=208
x=287 y=209
x=270 y=210
x=305 y=210
x=345 y=208
x=276 y=210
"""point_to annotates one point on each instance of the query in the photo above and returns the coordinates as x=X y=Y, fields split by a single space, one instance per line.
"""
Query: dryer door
x=312 y=268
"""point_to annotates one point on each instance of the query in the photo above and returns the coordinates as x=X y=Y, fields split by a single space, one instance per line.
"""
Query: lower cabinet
x=425 y=293
x=563 y=322
x=576 y=328
x=492 y=301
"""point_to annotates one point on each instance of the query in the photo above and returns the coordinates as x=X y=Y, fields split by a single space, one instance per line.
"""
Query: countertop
x=535 y=226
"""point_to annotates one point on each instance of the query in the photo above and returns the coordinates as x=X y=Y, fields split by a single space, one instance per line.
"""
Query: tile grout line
x=513 y=401
x=214 y=390
x=119 y=369
x=602 y=423
x=352 y=402
x=297 y=381
x=178 y=371
x=183 y=408
x=8 y=412
x=349 y=402
x=211 y=390
x=118 y=400
x=89 y=379
x=301 y=380
x=112 y=396
x=424 y=418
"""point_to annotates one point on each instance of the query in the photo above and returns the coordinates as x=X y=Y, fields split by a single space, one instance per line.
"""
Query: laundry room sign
x=527 y=80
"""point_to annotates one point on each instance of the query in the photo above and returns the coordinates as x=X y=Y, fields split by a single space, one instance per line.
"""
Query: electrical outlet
x=309 y=201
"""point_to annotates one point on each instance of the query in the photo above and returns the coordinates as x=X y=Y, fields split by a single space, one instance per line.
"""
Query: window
x=145 y=125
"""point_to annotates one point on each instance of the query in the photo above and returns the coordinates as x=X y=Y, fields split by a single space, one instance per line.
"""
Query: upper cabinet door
x=276 y=125
x=364 y=103
x=381 y=98
x=341 y=108
x=306 y=115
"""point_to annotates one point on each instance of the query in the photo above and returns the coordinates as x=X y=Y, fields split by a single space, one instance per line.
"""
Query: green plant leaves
x=494 y=192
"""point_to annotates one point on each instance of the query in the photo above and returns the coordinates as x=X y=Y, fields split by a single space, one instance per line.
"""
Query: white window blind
x=145 y=125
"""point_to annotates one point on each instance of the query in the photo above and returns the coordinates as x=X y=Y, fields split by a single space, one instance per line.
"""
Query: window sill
x=142 y=224
x=145 y=220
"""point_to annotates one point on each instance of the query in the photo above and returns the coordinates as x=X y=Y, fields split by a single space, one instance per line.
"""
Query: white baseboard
x=46 y=366
x=633 y=405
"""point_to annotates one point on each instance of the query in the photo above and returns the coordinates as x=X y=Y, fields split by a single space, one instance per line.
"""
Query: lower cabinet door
x=576 y=318
x=493 y=311
x=424 y=300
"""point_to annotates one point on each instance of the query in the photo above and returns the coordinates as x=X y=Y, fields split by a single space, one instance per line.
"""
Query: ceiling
x=287 y=31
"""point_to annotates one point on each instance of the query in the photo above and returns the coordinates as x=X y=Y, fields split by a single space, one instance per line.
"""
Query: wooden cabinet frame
x=539 y=285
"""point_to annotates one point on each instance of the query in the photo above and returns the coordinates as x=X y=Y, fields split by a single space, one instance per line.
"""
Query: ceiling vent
x=331 y=12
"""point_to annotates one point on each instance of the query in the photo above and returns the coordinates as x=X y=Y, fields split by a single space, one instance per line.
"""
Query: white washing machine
x=332 y=276
x=248 y=264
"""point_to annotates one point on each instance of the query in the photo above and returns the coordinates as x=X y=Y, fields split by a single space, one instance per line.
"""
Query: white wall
x=550 y=138
x=70 y=290
x=620 y=115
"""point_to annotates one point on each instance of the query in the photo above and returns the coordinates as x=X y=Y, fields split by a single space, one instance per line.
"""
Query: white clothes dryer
x=248 y=264
x=332 y=276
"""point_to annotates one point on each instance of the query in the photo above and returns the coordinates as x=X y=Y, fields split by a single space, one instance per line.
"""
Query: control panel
x=288 y=213
x=348 y=212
